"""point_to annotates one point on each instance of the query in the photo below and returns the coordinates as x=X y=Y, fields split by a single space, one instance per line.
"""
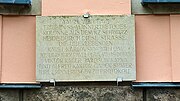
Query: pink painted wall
x=157 y=46
x=157 y=40
x=80 y=7
x=18 y=49
x=1 y=46
x=153 y=48
x=175 y=45
x=18 y=34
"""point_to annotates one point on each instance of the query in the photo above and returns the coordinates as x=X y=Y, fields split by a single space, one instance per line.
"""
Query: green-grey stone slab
x=34 y=9
x=138 y=8
x=73 y=48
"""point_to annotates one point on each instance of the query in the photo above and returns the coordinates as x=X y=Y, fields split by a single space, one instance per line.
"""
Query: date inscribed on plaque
x=73 y=48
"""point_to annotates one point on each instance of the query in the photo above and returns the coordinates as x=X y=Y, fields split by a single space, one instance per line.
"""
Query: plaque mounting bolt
x=53 y=81
x=119 y=80
x=86 y=15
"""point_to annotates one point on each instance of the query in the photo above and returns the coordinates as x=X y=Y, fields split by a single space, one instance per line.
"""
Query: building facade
x=156 y=44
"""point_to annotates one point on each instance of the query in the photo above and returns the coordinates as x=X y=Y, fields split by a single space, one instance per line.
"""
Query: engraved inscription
x=99 y=48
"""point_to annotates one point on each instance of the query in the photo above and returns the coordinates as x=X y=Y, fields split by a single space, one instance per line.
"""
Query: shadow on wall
x=138 y=8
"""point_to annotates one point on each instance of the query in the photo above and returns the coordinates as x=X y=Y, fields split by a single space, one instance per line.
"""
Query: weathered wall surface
x=9 y=95
x=91 y=93
x=163 y=94
x=74 y=93
x=68 y=93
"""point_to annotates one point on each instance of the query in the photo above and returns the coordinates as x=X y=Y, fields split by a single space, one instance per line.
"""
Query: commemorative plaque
x=74 y=48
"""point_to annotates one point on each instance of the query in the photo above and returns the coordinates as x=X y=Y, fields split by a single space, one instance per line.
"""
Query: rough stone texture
x=9 y=95
x=163 y=94
x=69 y=93
x=91 y=93
x=137 y=8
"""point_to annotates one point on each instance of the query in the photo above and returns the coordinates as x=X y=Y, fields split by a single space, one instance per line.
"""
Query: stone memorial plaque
x=73 y=48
